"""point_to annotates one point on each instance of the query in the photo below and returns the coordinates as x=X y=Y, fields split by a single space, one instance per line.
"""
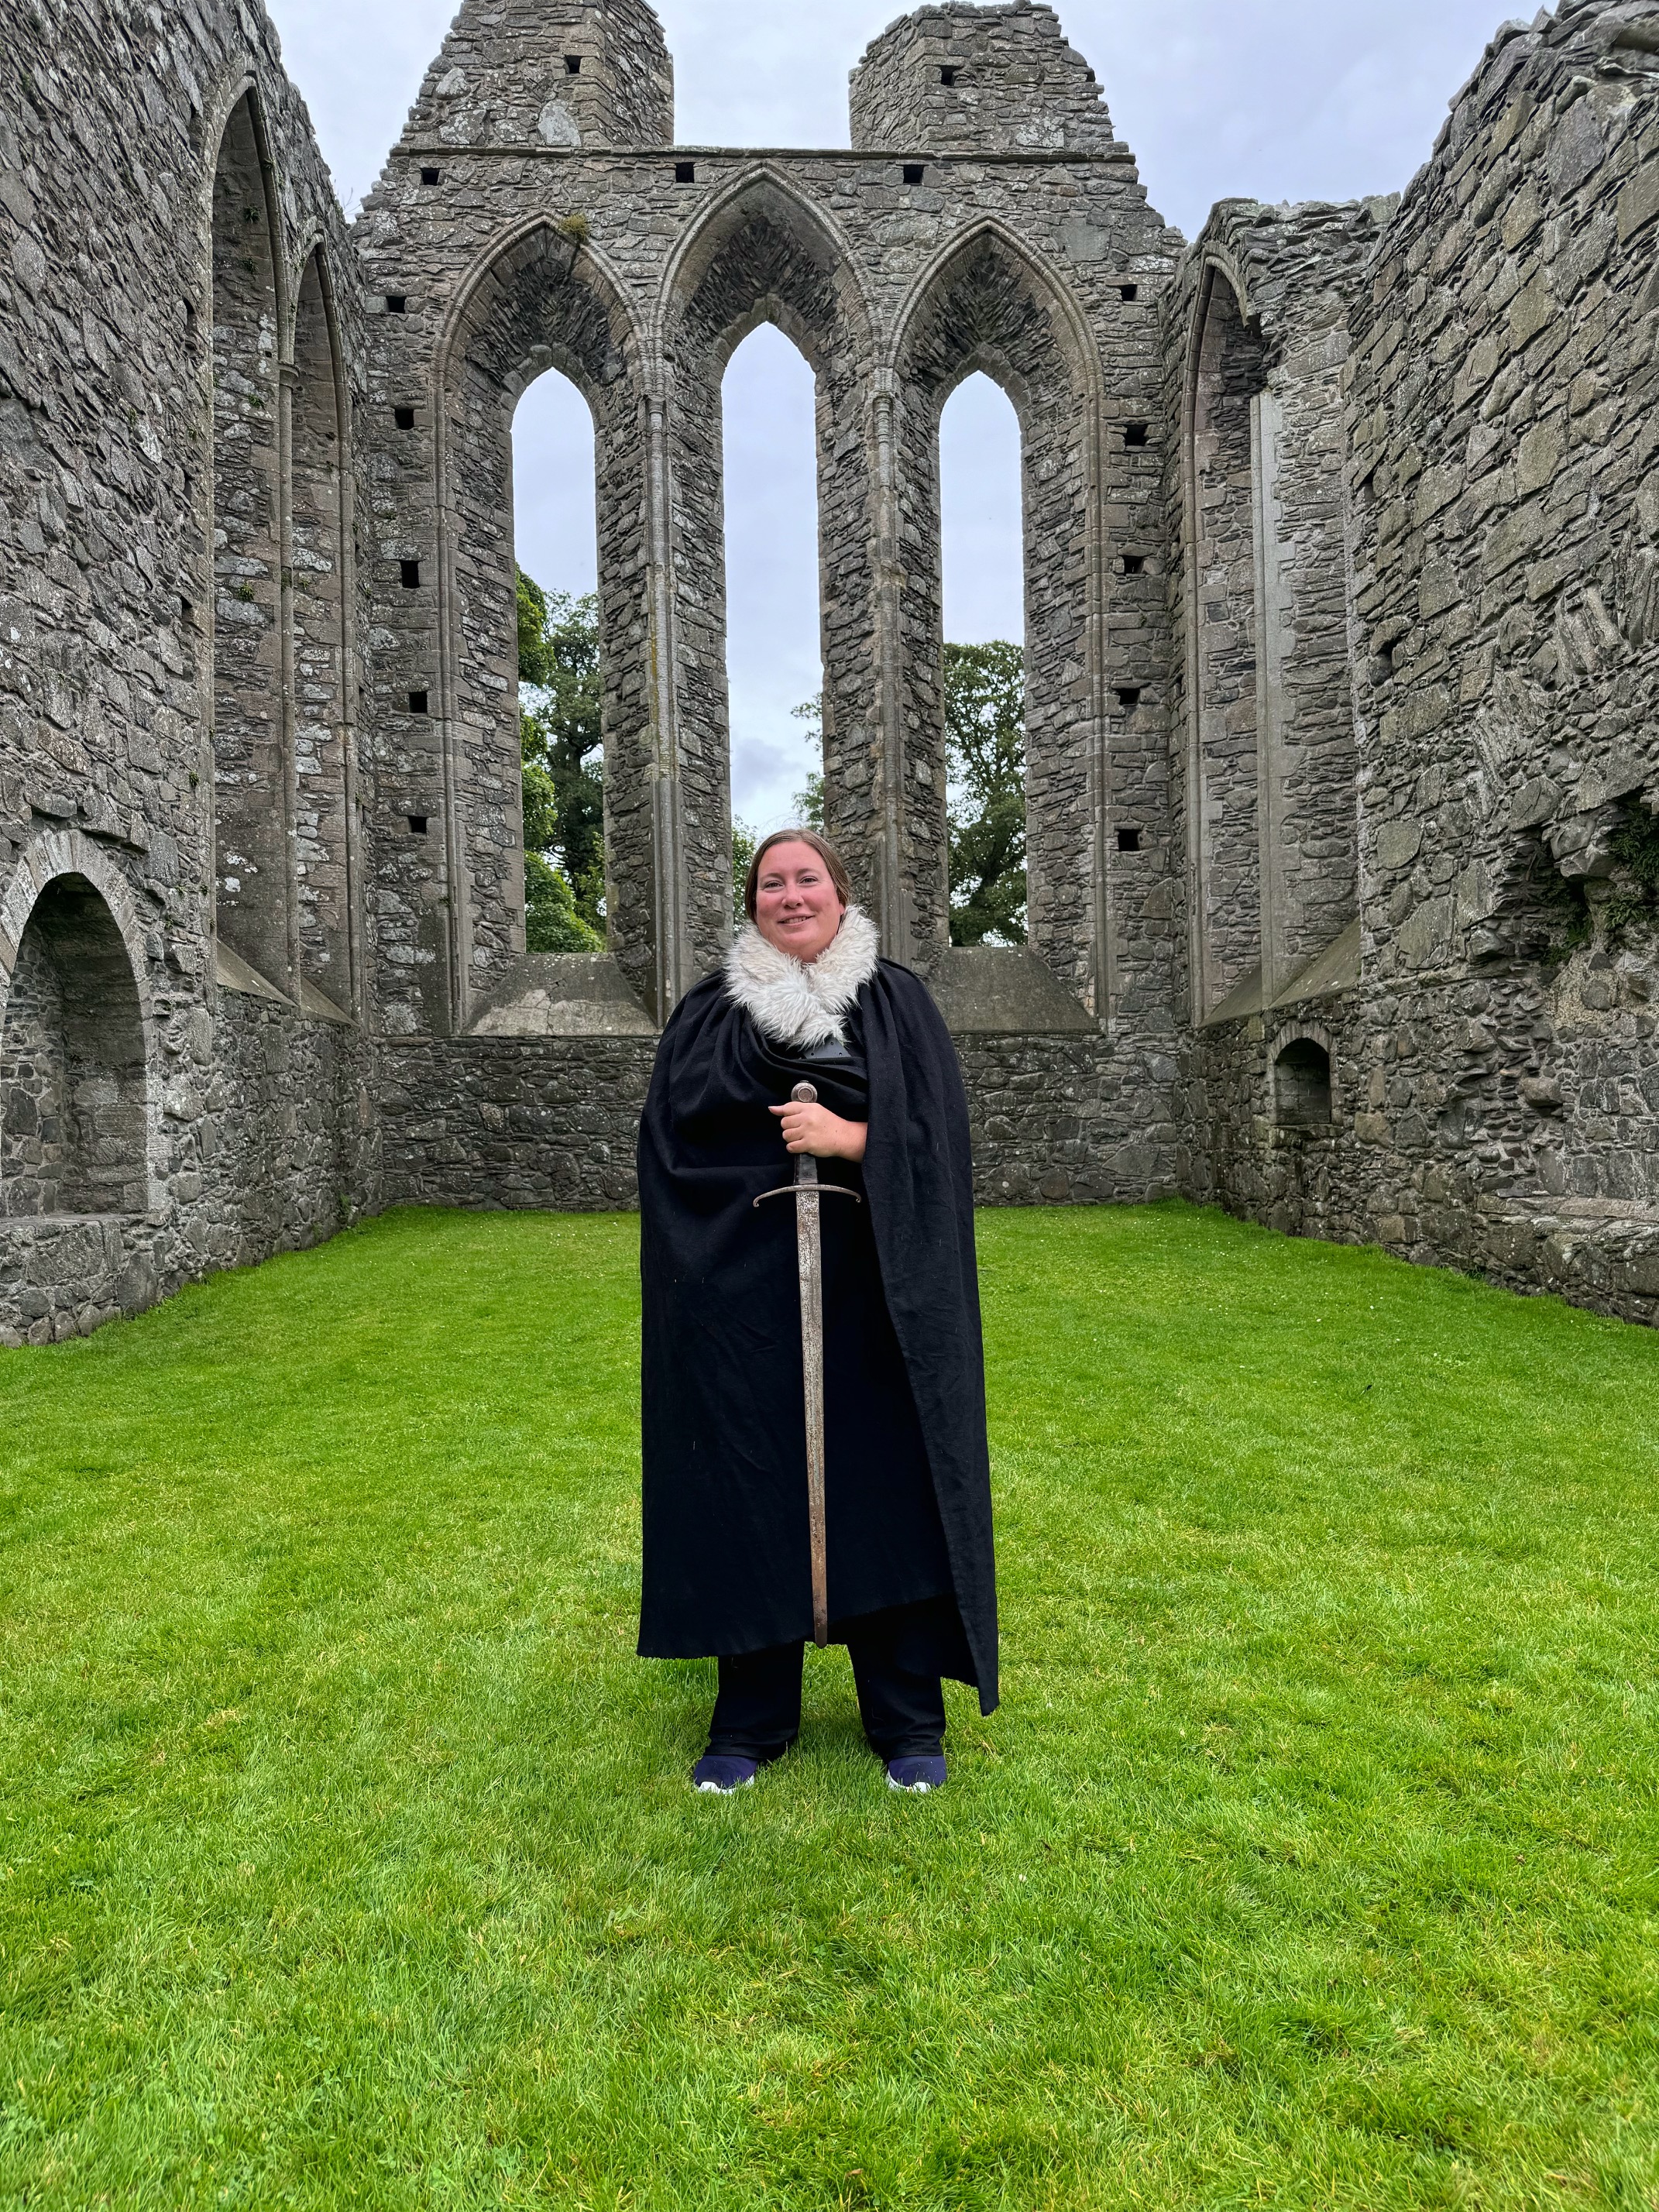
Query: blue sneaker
x=916 y=1776
x=723 y=1777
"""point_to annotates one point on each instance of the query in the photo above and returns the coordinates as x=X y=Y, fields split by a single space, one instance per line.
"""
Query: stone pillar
x=670 y=974
x=1272 y=620
x=894 y=910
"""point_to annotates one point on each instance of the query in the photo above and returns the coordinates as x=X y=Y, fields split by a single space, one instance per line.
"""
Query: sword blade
x=808 y=1254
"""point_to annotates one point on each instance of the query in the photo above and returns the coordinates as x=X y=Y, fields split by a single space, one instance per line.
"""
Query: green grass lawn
x=347 y=1855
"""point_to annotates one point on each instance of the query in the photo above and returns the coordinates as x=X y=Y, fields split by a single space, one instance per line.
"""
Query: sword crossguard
x=811 y=1190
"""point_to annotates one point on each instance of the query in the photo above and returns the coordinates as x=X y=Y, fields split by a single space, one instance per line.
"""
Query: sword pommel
x=804 y=1095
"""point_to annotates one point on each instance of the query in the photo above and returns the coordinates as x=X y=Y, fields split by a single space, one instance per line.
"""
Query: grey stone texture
x=1342 y=557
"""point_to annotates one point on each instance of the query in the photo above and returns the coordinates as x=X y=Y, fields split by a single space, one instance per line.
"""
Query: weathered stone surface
x=1343 y=579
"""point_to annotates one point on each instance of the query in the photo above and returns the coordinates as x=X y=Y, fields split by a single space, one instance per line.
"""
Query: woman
x=804 y=998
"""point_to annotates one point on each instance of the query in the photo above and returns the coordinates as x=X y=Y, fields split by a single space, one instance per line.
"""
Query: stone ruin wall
x=244 y=1126
x=637 y=272
x=1495 y=1079
x=1341 y=550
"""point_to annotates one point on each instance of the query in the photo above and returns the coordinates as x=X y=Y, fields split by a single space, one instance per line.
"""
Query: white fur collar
x=795 y=1003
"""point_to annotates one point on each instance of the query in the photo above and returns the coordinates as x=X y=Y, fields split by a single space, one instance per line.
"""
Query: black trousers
x=758 y=1715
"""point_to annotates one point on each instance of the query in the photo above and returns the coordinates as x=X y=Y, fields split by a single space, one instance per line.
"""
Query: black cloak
x=908 y=1479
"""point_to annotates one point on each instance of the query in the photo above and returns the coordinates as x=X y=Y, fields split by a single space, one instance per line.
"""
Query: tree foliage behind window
x=809 y=803
x=560 y=729
x=985 y=767
x=744 y=841
x=985 y=760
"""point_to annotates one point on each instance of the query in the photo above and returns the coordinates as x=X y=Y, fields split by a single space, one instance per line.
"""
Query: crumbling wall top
x=549 y=73
x=990 y=80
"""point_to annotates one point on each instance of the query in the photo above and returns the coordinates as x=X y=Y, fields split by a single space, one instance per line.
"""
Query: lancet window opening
x=253 y=905
x=983 y=577
x=766 y=256
x=990 y=309
x=774 y=625
x=544 y=304
x=556 y=548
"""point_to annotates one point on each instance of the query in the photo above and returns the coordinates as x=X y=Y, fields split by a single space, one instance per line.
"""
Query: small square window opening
x=396 y=304
x=431 y=176
x=1129 y=695
x=1128 y=841
x=1134 y=564
x=572 y=64
x=410 y=571
x=914 y=172
x=685 y=172
x=419 y=824
x=1138 y=434
x=417 y=702
x=1129 y=291
x=947 y=75
x=404 y=417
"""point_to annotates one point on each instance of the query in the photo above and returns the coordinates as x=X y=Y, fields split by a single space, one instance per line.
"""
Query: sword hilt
x=806 y=1168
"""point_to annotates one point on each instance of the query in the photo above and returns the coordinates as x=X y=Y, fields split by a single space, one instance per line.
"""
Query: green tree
x=560 y=730
x=551 y=923
x=743 y=842
x=809 y=803
x=984 y=761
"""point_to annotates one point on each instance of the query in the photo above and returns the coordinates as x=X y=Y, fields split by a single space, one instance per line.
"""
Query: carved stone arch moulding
x=312 y=246
x=985 y=302
x=241 y=82
x=505 y=258
x=234 y=82
x=538 y=299
x=991 y=230
x=762 y=192
x=54 y=851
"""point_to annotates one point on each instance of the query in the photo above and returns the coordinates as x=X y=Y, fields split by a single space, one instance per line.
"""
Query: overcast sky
x=1271 y=100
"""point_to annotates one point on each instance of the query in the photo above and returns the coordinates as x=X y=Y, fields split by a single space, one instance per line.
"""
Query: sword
x=807 y=1190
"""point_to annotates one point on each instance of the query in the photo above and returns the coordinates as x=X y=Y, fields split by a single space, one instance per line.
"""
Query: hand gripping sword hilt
x=806 y=1168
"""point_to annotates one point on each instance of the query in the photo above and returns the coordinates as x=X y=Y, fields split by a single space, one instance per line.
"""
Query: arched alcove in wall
x=773 y=630
x=1228 y=376
x=73 y=1124
x=982 y=531
x=250 y=743
x=556 y=544
x=988 y=308
x=1302 y=1084
x=323 y=854
x=543 y=303
x=765 y=255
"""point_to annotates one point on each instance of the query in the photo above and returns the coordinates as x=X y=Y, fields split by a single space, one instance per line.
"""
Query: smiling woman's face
x=797 y=907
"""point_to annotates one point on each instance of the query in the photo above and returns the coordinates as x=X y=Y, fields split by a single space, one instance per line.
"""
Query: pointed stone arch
x=987 y=304
x=540 y=297
x=763 y=252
